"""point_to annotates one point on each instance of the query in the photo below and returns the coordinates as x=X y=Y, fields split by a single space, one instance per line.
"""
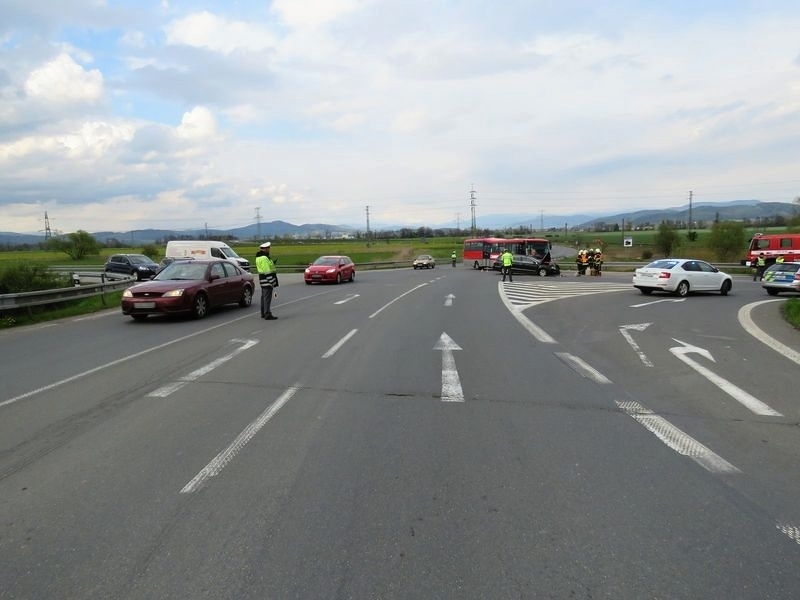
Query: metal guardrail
x=77 y=292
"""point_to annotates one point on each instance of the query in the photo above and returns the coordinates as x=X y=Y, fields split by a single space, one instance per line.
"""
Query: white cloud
x=62 y=80
x=303 y=14
x=197 y=124
x=205 y=30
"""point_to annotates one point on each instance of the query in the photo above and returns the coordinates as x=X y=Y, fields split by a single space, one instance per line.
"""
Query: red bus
x=773 y=245
x=481 y=252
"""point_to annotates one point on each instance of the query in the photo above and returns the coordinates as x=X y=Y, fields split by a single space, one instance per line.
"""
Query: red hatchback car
x=333 y=269
x=189 y=287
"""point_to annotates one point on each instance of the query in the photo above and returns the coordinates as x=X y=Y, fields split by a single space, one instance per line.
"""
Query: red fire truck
x=773 y=245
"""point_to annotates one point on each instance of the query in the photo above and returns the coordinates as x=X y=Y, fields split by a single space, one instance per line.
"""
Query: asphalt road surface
x=414 y=434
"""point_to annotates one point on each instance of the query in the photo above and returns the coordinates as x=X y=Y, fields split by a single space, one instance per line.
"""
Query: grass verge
x=791 y=312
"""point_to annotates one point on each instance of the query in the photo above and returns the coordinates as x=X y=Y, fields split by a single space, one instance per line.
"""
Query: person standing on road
x=453 y=257
x=760 y=263
x=267 y=279
x=508 y=259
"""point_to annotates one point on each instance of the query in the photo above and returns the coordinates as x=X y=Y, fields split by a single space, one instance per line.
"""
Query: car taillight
x=664 y=275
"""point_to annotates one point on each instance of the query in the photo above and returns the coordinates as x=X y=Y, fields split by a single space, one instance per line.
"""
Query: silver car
x=782 y=277
x=681 y=276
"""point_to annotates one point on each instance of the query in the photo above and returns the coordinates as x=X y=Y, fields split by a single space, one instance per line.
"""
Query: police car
x=782 y=277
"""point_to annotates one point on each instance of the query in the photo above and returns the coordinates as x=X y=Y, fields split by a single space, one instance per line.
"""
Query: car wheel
x=200 y=306
x=415 y=267
x=726 y=287
x=338 y=278
x=139 y=317
x=683 y=289
x=542 y=272
x=247 y=297
x=136 y=274
x=772 y=292
x=352 y=276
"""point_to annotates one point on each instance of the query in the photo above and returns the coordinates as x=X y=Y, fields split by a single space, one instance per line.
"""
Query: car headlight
x=127 y=293
x=331 y=271
x=308 y=270
x=174 y=293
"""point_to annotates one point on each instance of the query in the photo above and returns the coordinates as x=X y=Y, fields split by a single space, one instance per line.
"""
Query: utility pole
x=472 y=205
x=258 y=222
x=541 y=220
x=367 y=225
x=690 y=214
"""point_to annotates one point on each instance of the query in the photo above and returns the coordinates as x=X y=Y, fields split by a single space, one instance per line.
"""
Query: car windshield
x=423 y=257
x=662 y=264
x=140 y=259
x=229 y=252
x=183 y=271
x=327 y=260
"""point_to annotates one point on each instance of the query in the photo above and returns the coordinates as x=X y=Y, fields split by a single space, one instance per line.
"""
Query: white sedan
x=681 y=276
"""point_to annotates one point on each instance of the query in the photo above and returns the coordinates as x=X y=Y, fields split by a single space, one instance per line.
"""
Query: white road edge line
x=582 y=367
x=676 y=439
x=536 y=331
x=388 y=304
x=213 y=468
x=339 y=344
x=746 y=321
x=168 y=389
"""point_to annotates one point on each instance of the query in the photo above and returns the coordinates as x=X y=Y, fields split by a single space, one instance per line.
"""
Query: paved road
x=414 y=434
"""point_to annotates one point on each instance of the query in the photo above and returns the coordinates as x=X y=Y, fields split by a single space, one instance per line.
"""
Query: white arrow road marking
x=451 y=384
x=166 y=390
x=629 y=338
x=657 y=301
x=350 y=297
x=448 y=300
x=742 y=397
x=676 y=439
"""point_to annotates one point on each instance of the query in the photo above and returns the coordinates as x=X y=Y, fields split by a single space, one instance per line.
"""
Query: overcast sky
x=130 y=114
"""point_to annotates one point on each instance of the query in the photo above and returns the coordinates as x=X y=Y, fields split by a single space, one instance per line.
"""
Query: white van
x=201 y=249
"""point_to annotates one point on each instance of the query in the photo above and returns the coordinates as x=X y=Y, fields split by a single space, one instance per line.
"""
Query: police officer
x=453 y=257
x=760 y=264
x=267 y=279
x=507 y=259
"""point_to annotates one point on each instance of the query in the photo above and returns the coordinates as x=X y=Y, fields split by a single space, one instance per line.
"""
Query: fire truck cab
x=773 y=245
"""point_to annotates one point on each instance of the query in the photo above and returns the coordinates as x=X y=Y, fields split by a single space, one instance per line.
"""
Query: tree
x=726 y=240
x=77 y=245
x=666 y=239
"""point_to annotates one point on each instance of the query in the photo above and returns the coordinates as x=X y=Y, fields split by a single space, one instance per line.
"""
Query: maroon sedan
x=189 y=287
x=333 y=269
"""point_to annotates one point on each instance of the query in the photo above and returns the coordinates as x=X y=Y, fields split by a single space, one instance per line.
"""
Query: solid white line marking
x=582 y=367
x=676 y=439
x=451 y=383
x=388 y=304
x=536 y=331
x=656 y=302
x=741 y=396
x=213 y=468
x=350 y=297
x=339 y=344
x=629 y=338
x=746 y=320
x=166 y=390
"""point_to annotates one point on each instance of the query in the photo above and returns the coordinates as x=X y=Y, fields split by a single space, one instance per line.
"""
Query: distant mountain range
x=708 y=212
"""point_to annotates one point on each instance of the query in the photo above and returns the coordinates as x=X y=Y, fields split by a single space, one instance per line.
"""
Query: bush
x=22 y=277
x=647 y=254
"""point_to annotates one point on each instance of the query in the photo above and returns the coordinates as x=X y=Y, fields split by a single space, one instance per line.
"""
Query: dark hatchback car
x=135 y=265
x=529 y=264
x=192 y=287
